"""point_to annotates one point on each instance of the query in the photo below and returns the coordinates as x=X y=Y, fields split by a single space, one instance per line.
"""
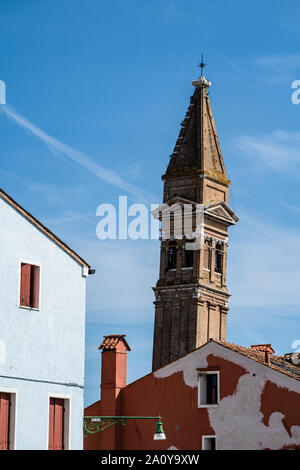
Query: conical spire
x=197 y=150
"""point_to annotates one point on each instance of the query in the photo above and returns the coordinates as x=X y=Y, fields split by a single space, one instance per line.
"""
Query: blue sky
x=111 y=80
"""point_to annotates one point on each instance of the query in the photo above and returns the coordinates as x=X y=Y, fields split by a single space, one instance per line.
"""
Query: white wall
x=45 y=345
x=238 y=419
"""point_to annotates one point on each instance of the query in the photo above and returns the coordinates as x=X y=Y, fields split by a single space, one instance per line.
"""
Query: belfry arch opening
x=172 y=255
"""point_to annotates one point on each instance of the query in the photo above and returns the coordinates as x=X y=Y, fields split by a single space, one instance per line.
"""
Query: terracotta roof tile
x=110 y=342
x=283 y=364
x=263 y=348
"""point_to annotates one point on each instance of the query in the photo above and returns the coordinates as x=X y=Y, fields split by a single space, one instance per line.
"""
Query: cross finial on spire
x=201 y=81
x=202 y=65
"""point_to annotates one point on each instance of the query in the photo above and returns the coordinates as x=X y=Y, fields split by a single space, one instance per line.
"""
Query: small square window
x=30 y=286
x=208 y=389
x=209 y=443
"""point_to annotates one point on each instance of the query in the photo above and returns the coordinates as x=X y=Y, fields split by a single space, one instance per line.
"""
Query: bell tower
x=191 y=296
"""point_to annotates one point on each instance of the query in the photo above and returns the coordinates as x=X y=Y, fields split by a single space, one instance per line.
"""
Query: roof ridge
x=248 y=348
x=42 y=228
x=291 y=370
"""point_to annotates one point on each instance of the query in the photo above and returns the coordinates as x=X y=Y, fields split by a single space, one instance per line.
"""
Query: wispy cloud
x=291 y=207
x=62 y=195
x=78 y=157
x=279 y=67
x=263 y=278
x=121 y=292
x=67 y=217
x=274 y=69
x=264 y=267
x=279 y=150
x=242 y=68
x=279 y=63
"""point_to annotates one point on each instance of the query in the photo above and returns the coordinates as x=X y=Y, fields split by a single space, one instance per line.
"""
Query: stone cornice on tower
x=197 y=149
x=220 y=210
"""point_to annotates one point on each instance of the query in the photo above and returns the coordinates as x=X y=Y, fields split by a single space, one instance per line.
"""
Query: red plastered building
x=251 y=403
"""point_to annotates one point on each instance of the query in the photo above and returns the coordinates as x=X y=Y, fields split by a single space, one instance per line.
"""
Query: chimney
x=113 y=371
x=267 y=358
x=266 y=349
x=263 y=348
x=113 y=378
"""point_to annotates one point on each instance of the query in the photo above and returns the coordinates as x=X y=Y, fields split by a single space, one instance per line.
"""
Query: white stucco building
x=42 y=334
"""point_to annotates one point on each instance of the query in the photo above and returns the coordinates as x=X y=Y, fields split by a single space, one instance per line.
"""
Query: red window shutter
x=59 y=424
x=30 y=285
x=4 y=420
x=56 y=424
x=35 y=286
x=51 y=424
x=25 y=285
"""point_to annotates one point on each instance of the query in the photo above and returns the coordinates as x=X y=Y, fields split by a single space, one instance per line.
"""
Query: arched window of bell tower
x=172 y=255
x=219 y=258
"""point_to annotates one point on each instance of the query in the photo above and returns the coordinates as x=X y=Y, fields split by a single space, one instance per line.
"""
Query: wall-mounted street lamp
x=94 y=424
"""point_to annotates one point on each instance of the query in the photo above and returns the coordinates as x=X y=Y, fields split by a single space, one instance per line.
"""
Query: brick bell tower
x=191 y=297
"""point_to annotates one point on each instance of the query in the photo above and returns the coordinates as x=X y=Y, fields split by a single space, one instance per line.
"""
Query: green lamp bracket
x=94 y=424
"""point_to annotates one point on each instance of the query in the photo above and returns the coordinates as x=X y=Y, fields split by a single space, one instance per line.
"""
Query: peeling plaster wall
x=238 y=421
